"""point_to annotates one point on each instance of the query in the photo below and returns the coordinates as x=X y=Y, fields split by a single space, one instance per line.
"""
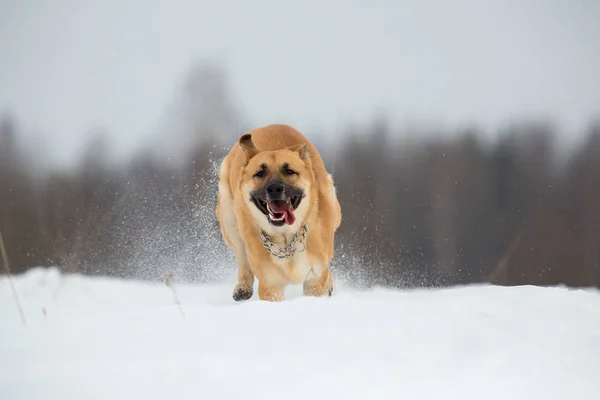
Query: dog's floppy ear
x=301 y=149
x=247 y=146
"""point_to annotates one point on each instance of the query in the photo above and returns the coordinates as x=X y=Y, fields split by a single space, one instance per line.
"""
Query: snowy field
x=101 y=338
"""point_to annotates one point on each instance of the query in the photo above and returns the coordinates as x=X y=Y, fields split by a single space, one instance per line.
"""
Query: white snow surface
x=108 y=338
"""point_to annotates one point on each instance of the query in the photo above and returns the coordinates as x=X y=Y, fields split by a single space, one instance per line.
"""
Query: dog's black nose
x=275 y=189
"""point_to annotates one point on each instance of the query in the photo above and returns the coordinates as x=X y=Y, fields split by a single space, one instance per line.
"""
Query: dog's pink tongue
x=283 y=207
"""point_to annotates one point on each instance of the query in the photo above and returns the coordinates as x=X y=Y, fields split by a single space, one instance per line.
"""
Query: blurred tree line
x=442 y=210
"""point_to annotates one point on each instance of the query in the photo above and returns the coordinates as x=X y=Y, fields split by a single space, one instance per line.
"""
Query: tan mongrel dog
x=274 y=182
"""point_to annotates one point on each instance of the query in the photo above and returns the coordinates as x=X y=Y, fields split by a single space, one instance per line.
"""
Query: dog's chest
x=296 y=268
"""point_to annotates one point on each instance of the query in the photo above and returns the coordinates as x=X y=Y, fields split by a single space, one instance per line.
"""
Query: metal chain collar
x=284 y=252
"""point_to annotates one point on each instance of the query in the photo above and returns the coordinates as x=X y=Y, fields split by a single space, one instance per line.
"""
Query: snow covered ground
x=101 y=338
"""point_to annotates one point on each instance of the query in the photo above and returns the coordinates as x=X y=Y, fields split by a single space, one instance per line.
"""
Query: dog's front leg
x=319 y=285
x=244 y=287
x=271 y=282
x=245 y=282
x=269 y=291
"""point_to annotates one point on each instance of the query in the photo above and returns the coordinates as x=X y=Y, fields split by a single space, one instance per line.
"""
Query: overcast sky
x=71 y=65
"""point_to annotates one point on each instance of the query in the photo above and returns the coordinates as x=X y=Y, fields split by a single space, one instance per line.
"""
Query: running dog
x=278 y=213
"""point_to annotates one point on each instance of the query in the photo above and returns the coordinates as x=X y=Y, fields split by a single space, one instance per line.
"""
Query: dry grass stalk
x=167 y=282
x=12 y=285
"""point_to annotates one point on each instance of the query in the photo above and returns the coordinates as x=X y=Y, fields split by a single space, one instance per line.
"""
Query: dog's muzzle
x=278 y=202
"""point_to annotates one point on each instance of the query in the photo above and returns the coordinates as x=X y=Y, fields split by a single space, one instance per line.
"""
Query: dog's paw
x=241 y=293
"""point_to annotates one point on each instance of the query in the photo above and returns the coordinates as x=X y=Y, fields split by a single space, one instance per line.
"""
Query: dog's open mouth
x=279 y=212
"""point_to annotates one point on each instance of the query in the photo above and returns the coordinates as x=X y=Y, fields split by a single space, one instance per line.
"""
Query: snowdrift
x=103 y=338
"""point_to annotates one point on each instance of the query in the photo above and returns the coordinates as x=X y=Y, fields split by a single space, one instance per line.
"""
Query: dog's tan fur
x=241 y=221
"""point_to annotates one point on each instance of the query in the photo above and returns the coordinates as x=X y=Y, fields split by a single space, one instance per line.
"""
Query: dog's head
x=277 y=183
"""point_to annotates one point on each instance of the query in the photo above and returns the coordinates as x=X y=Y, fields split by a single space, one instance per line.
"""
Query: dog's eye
x=289 y=171
x=260 y=174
